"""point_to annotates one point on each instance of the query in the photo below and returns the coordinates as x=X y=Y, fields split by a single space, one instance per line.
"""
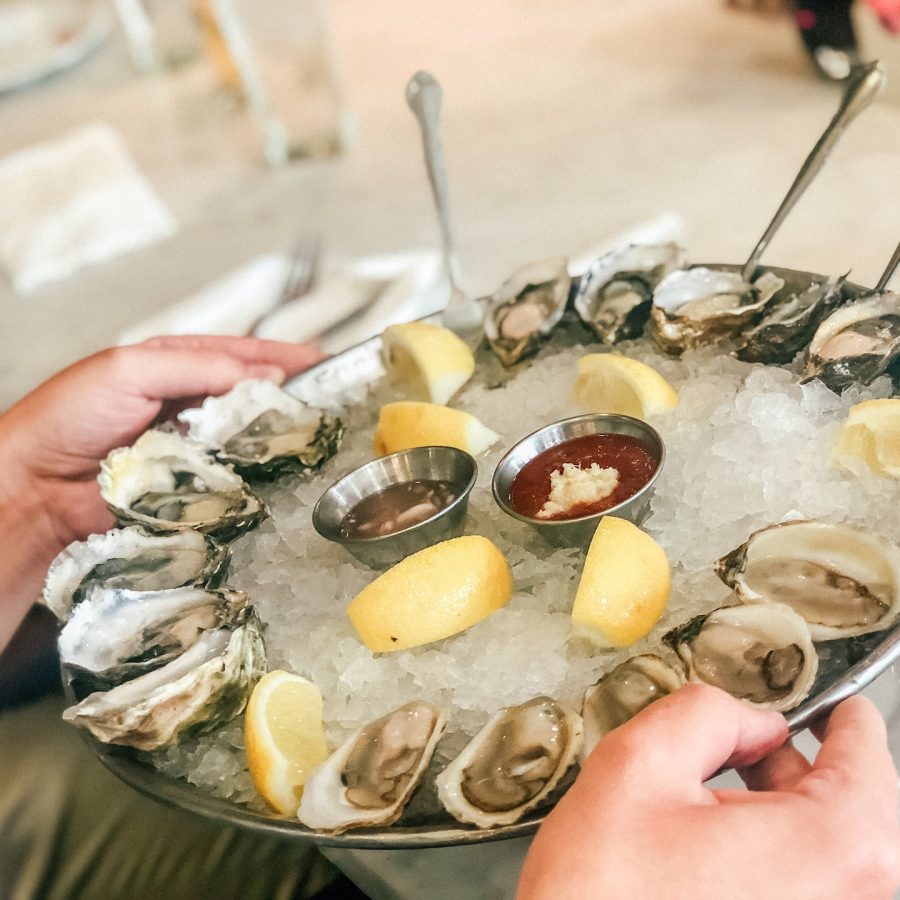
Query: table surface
x=564 y=125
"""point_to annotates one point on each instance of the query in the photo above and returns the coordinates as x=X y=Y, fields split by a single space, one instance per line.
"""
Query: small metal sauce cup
x=577 y=532
x=420 y=463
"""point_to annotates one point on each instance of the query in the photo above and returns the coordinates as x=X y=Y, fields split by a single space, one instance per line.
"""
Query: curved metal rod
x=889 y=272
x=864 y=84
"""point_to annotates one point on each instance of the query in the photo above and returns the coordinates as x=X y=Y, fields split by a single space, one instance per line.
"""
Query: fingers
x=675 y=744
x=781 y=770
x=292 y=358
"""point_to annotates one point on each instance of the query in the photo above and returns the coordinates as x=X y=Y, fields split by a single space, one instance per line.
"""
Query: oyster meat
x=841 y=580
x=168 y=483
x=761 y=653
x=263 y=430
x=623 y=693
x=204 y=687
x=115 y=634
x=134 y=559
x=697 y=306
x=371 y=776
x=789 y=324
x=614 y=295
x=527 y=308
x=512 y=764
x=856 y=343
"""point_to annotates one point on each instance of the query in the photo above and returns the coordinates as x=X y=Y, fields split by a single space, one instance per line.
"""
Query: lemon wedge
x=612 y=383
x=870 y=436
x=624 y=585
x=408 y=423
x=284 y=737
x=435 y=593
x=428 y=361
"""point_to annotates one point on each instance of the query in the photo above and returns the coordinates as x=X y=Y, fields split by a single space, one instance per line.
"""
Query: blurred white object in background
x=73 y=202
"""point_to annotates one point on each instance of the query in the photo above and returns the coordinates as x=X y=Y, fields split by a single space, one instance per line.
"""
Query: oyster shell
x=841 y=580
x=790 y=322
x=512 y=764
x=371 y=776
x=761 y=653
x=697 y=306
x=199 y=690
x=262 y=430
x=623 y=693
x=526 y=308
x=614 y=295
x=856 y=343
x=132 y=558
x=115 y=635
x=168 y=483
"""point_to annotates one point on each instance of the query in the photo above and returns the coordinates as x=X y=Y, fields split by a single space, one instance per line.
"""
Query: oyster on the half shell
x=371 y=776
x=790 y=322
x=697 y=306
x=168 y=483
x=841 y=580
x=623 y=693
x=856 y=343
x=512 y=764
x=204 y=687
x=614 y=295
x=263 y=430
x=115 y=634
x=526 y=308
x=761 y=653
x=134 y=559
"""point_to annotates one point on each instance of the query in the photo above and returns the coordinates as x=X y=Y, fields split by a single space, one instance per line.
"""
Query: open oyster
x=199 y=690
x=790 y=322
x=758 y=652
x=115 y=635
x=512 y=764
x=856 y=343
x=168 y=483
x=841 y=580
x=614 y=295
x=262 y=430
x=698 y=306
x=132 y=558
x=371 y=776
x=623 y=693
x=526 y=308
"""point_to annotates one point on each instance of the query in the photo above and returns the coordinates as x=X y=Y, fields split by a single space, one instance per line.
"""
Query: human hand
x=52 y=441
x=639 y=822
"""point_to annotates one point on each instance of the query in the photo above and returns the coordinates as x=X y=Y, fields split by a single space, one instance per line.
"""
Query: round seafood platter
x=761 y=557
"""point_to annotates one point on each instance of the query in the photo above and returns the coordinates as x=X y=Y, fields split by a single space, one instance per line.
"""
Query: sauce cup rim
x=463 y=497
x=552 y=523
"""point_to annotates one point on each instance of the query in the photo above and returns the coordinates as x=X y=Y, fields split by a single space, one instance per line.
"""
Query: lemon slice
x=624 y=585
x=432 y=594
x=407 y=423
x=870 y=435
x=430 y=362
x=284 y=737
x=612 y=383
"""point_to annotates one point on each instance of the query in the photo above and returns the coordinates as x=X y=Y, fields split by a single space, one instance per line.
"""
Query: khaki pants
x=69 y=830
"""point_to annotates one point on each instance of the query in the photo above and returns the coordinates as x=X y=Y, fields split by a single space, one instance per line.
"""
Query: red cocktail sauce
x=531 y=487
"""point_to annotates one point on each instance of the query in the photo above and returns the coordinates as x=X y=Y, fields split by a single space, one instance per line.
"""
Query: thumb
x=675 y=744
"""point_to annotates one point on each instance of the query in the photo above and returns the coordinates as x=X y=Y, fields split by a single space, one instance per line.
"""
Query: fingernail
x=269 y=373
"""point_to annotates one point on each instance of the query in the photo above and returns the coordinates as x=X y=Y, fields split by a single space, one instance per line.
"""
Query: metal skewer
x=891 y=270
x=424 y=94
x=864 y=84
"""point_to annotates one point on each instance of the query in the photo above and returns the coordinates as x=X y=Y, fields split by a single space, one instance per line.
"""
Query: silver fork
x=301 y=278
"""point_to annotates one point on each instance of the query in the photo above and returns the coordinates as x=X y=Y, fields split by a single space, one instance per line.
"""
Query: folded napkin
x=73 y=202
x=350 y=301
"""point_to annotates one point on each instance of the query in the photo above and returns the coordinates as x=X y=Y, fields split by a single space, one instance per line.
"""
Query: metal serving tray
x=853 y=664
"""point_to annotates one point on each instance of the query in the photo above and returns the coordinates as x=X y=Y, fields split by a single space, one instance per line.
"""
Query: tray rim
x=181 y=794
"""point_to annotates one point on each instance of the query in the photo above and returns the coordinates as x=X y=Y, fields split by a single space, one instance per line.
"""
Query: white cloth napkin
x=72 y=202
x=350 y=302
